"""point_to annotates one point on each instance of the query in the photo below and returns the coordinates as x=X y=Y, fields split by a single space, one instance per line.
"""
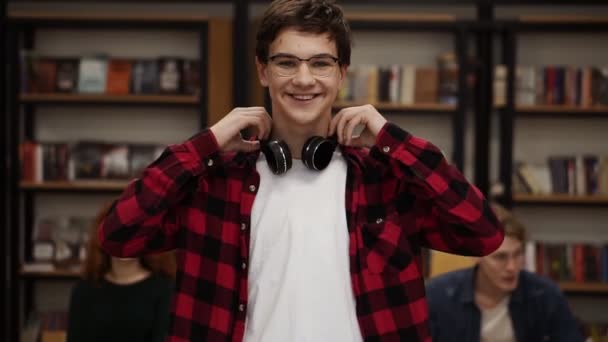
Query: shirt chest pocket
x=385 y=246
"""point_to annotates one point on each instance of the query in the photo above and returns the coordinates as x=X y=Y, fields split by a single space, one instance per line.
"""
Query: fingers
x=258 y=119
x=249 y=146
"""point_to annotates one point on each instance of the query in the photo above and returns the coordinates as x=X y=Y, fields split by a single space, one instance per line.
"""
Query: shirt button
x=210 y=162
x=243 y=226
x=386 y=149
x=241 y=307
x=252 y=188
x=243 y=265
x=379 y=220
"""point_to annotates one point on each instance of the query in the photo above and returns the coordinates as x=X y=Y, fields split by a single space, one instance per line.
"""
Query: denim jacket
x=538 y=310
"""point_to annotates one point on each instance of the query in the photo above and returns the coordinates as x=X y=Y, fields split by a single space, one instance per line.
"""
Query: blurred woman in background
x=120 y=299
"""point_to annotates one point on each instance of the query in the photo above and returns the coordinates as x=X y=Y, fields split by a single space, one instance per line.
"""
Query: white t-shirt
x=299 y=278
x=496 y=325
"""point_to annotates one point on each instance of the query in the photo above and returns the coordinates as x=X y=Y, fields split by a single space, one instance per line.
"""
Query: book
x=169 y=75
x=426 y=87
x=144 y=77
x=119 y=76
x=44 y=75
x=92 y=74
x=67 y=75
x=86 y=159
x=447 y=65
x=191 y=77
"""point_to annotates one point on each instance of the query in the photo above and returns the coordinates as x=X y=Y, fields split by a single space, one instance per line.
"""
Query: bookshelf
x=552 y=130
x=521 y=199
x=38 y=115
x=75 y=186
x=54 y=274
x=438 y=108
x=584 y=288
x=58 y=98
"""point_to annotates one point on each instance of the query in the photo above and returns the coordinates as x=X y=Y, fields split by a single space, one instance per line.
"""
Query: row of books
x=101 y=74
x=554 y=85
x=60 y=241
x=568 y=262
x=403 y=84
x=573 y=175
x=84 y=160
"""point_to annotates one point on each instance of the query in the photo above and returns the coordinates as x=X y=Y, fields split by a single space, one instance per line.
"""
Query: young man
x=498 y=301
x=301 y=255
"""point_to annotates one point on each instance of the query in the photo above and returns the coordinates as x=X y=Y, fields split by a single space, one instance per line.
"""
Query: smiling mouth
x=303 y=98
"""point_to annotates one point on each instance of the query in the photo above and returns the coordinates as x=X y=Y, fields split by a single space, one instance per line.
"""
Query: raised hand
x=227 y=131
x=347 y=119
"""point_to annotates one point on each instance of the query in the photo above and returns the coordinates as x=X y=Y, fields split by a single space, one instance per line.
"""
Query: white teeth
x=303 y=97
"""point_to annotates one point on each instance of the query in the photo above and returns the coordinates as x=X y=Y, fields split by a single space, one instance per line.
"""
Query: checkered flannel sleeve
x=457 y=218
x=144 y=219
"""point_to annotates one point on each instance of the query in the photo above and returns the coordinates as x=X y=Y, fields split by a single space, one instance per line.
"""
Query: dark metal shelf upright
x=5 y=232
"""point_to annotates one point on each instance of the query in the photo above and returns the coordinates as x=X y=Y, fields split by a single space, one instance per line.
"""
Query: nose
x=511 y=264
x=303 y=76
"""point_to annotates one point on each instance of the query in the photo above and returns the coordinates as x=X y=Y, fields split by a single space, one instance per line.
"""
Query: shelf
x=54 y=274
x=563 y=19
x=562 y=110
x=562 y=23
x=401 y=17
x=396 y=107
x=587 y=288
x=76 y=186
x=106 y=16
x=559 y=199
x=58 y=98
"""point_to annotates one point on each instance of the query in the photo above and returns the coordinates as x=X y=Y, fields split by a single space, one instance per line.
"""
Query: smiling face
x=302 y=100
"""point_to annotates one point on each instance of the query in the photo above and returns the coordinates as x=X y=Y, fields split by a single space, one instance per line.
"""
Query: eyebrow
x=283 y=54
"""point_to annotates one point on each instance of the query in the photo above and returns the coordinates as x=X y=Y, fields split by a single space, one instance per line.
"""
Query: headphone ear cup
x=317 y=152
x=278 y=156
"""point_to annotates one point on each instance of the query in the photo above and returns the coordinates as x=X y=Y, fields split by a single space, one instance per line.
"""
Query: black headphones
x=316 y=154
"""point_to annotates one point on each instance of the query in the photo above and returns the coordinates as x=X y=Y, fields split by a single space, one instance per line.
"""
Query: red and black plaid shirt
x=401 y=195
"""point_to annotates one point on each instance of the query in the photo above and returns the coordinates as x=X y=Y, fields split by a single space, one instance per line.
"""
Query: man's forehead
x=509 y=245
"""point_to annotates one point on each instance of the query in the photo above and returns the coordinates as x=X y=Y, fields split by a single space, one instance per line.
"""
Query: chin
x=508 y=286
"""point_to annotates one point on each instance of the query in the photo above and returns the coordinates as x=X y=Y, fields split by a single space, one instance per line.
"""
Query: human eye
x=286 y=62
x=500 y=257
x=321 y=62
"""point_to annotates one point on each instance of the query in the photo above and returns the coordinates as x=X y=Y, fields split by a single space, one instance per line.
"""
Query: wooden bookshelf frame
x=54 y=274
x=75 y=186
x=591 y=288
x=560 y=199
x=76 y=98
x=396 y=107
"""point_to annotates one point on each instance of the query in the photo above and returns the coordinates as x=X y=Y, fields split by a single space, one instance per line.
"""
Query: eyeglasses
x=288 y=65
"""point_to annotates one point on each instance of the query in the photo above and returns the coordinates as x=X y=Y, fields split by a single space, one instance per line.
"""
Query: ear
x=262 y=69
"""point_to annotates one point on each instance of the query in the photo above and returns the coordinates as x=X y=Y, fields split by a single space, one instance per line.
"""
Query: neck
x=126 y=271
x=295 y=136
x=487 y=295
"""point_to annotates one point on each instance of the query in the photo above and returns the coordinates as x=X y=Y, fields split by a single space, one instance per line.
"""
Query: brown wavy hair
x=97 y=262
x=513 y=227
x=312 y=16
